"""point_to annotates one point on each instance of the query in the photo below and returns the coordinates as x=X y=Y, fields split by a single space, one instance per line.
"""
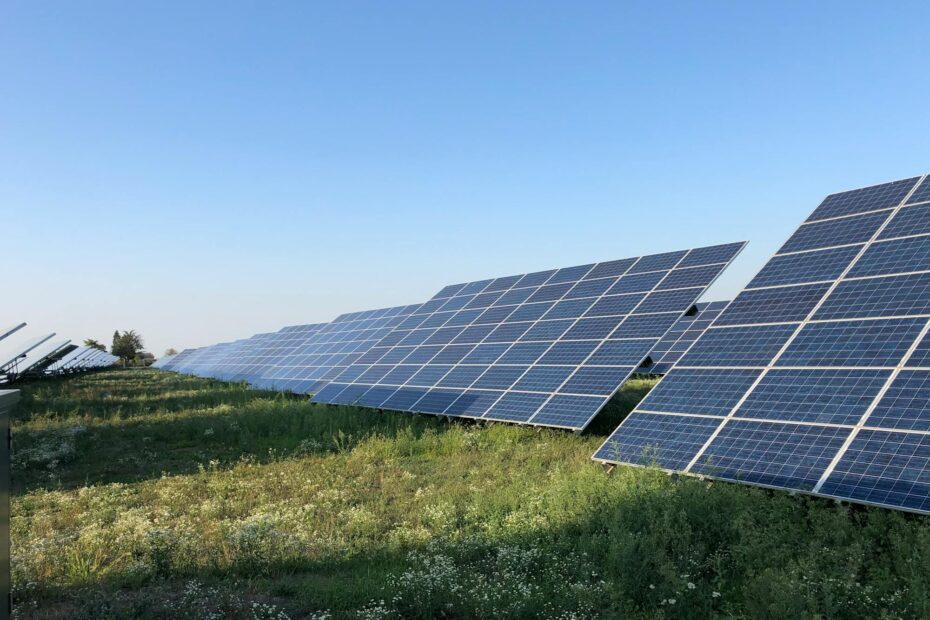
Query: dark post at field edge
x=7 y=399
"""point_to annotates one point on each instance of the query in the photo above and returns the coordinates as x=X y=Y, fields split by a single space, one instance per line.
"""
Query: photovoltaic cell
x=833 y=400
x=885 y=468
x=910 y=221
x=896 y=256
x=846 y=231
x=548 y=348
x=700 y=391
x=921 y=194
x=825 y=396
x=852 y=343
x=906 y=404
x=884 y=196
x=773 y=305
x=737 y=346
x=665 y=440
x=791 y=456
x=315 y=356
x=886 y=296
x=815 y=266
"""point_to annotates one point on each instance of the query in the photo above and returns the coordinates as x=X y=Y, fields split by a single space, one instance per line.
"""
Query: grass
x=141 y=494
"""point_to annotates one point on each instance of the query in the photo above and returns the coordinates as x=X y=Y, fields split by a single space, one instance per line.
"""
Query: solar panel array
x=80 y=359
x=162 y=361
x=682 y=335
x=816 y=377
x=41 y=356
x=313 y=361
x=547 y=348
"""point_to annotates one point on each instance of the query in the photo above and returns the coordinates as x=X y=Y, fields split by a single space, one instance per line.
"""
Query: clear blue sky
x=203 y=171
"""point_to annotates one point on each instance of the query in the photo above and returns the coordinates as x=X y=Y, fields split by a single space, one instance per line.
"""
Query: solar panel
x=12 y=357
x=547 y=348
x=313 y=360
x=680 y=338
x=12 y=329
x=178 y=360
x=273 y=349
x=97 y=359
x=59 y=365
x=39 y=355
x=84 y=360
x=224 y=360
x=816 y=377
x=160 y=362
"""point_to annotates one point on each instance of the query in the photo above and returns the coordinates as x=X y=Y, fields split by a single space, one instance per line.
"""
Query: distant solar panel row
x=816 y=377
x=310 y=364
x=43 y=355
x=547 y=348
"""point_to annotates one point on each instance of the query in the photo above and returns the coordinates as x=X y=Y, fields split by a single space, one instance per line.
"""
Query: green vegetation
x=141 y=494
x=127 y=346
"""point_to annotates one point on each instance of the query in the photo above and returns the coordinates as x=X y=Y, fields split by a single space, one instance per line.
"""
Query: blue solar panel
x=670 y=301
x=773 y=305
x=880 y=342
x=847 y=231
x=921 y=355
x=824 y=396
x=472 y=404
x=906 y=404
x=543 y=378
x=700 y=391
x=516 y=406
x=667 y=441
x=897 y=256
x=813 y=266
x=552 y=346
x=910 y=221
x=885 y=296
x=921 y=194
x=681 y=336
x=737 y=346
x=646 y=326
x=884 y=196
x=317 y=357
x=565 y=410
x=791 y=456
x=885 y=468
x=823 y=385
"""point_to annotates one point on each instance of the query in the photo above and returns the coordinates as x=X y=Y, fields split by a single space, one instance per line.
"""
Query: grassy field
x=141 y=494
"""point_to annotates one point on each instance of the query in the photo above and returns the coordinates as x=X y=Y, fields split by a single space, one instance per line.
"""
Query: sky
x=200 y=172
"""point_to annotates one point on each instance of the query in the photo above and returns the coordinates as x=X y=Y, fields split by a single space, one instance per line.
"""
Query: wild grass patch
x=219 y=501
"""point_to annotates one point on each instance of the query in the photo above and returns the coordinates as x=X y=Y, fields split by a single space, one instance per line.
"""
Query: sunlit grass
x=151 y=495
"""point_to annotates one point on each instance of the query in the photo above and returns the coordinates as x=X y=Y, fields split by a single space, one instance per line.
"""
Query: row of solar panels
x=45 y=355
x=282 y=361
x=813 y=379
x=548 y=348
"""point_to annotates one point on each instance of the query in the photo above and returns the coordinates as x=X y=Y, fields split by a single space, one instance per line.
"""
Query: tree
x=126 y=345
x=93 y=344
x=171 y=351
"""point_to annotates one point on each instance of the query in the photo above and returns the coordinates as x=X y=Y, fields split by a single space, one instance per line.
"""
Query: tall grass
x=145 y=494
